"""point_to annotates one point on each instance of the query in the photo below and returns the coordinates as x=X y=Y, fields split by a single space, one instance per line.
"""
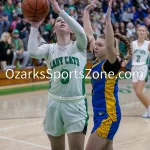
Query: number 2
x=138 y=58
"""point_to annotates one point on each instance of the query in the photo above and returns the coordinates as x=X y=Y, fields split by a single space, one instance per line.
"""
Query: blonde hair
x=147 y=32
x=3 y=37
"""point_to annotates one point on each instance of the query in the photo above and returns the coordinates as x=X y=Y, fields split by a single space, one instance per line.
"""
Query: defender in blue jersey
x=105 y=70
x=107 y=114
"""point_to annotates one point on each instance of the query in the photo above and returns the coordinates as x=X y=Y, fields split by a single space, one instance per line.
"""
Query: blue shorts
x=105 y=126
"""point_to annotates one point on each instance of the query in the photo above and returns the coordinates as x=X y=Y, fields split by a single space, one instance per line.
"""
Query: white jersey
x=66 y=69
x=140 y=53
x=66 y=64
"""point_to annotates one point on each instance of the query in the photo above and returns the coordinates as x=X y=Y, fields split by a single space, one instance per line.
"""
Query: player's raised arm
x=87 y=25
x=74 y=25
x=110 y=44
x=33 y=49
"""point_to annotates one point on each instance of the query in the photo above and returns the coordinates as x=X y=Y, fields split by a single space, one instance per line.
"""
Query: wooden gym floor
x=20 y=131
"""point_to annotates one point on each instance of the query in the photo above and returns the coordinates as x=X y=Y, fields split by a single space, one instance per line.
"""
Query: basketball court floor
x=21 y=118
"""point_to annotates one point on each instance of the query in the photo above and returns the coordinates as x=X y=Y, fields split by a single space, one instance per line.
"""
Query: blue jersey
x=105 y=91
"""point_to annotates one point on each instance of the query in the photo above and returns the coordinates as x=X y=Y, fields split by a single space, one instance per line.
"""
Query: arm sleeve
x=77 y=29
x=115 y=67
x=33 y=49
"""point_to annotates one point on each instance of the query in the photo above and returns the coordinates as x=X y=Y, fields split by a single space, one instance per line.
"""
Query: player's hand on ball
x=92 y=5
x=55 y=6
x=36 y=24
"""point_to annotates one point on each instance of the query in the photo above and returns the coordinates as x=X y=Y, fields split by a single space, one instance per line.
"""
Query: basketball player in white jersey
x=66 y=110
x=140 y=50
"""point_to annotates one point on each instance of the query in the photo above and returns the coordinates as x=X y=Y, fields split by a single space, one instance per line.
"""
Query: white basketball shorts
x=139 y=73
x=65 y=116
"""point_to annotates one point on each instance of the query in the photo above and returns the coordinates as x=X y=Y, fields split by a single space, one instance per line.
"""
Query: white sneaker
x=146 y=114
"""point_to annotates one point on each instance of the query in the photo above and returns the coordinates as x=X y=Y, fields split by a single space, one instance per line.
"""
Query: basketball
x=35 y=10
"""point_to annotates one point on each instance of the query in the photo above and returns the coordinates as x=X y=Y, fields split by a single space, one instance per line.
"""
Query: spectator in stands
x=144 y=5
x=4 y=23
x=116 y=11
x=23 y=27
x=10 y=9
x=80 y=5
x=18 y=48
x=80 y=20
x=66 y=8
x=71 y=3
x=48 y=34
x=122 y=28
x=14 y=23
x=72 y=13
x=127 y=4
x=127 y=16
x=96 y=32
x=122 y=8
x=147 y=22
x=7 y=56
x=116 y=27
x=18 y=9
x=134 y=12
x=131 y=32
x=140 y=15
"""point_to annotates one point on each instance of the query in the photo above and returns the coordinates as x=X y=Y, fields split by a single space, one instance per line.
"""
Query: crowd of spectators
x=15 y=30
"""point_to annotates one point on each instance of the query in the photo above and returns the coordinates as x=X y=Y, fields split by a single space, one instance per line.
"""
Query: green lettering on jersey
x=139 y=51
x=57 y=62
x=61 y=60
x=64 y=60
x=77 y=60
x=74 y=60
x=53 y=64
x=70 y=60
